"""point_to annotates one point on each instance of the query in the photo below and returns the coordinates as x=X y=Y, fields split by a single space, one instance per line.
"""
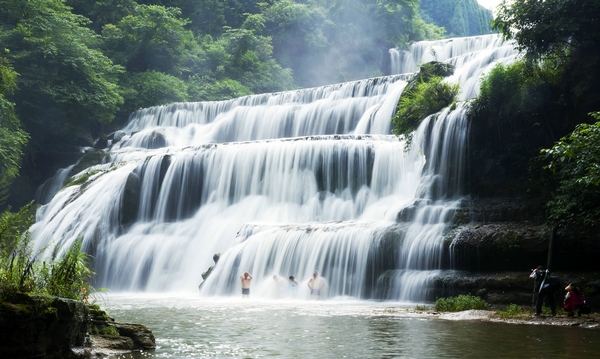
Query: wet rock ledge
x=58 y=328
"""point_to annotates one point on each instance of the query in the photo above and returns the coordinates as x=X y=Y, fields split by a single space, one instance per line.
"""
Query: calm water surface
x=189 y=327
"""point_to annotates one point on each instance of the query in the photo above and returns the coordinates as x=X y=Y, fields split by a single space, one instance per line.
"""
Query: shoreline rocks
x=59 y=328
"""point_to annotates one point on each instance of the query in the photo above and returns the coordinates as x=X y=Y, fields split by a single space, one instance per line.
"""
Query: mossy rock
x=424 y=95
x=90 y=158
x=435 y=68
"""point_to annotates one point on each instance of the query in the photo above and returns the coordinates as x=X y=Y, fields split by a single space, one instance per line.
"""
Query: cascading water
x=472 y=57
x=279 y=184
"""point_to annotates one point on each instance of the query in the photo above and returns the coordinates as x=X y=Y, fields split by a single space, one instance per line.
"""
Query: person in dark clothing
x=205 y=275
x=545 y=289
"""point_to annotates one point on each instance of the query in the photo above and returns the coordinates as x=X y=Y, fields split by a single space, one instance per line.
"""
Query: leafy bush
x=519 y=111
x=152 y=88
x=20 y=271
x=574 y=164
x=16 y=264
x=420 y=101
x=69 y=276
x=12 y=137
x=215 y=91
x=460 y=303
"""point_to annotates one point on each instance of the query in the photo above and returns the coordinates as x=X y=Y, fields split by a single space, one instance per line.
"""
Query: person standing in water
x=315 y=284
x=246 y=279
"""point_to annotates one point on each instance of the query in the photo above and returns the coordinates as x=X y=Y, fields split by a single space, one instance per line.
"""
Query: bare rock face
x=59 y=328
x=498 y=246
x=41 y=327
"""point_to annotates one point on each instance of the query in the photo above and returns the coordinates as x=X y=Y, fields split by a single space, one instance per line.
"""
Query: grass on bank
x=21 y=271
x=514 y=311
x=460 y=303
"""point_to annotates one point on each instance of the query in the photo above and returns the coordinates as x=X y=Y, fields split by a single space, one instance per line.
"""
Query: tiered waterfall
x=280 y=184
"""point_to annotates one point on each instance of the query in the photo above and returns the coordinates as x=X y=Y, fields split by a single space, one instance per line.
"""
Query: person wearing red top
x=574 y=300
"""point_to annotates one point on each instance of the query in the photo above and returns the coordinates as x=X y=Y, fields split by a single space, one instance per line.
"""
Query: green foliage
x=422 y=98
x=81 y=179
x=460 y=303
x=513 y=311
x=152 y=88
x=68 y=276
x=103 y=12
x=574 y=164
x=83 y=65
x=152 y=38
x=12 y=138
x=521 y=109
x=67 y=88
x=249 y=59
x=62 y=71
x=564 y=33
x=459 y=18
x=12 y=226
x=16 y=265
x=20 y=270
x=214 y=91
x=550 y=27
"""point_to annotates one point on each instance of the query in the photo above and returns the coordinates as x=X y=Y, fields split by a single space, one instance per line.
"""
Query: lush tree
x=563 y=31
x=520 y=110
x=528 y=106
x=211 y=16
x=12 y=137
x=66 y=87
x=61 y=69
x=201 y=90
x=153 y=38
x=459 y=18
x=544 y=27
x=250 y=60
x=152 y=88
x=103 y=12
x=574 y=164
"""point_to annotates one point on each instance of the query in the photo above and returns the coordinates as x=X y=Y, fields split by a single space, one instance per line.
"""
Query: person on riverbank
x=574 y=301
x=545 y=289
x=246 y=279
x=316 y=285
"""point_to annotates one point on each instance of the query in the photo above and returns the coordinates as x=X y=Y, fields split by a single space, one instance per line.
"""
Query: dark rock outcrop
x=59 y=328
x=498 y=246
x=141 y=336
x=42 y=327
x=91 y=157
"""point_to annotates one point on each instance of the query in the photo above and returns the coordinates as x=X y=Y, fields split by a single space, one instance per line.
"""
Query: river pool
x=191 y=327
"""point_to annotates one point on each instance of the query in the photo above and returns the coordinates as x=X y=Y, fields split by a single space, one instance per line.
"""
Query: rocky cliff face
x=41 y=327
x=59 y=328
x=494 y=244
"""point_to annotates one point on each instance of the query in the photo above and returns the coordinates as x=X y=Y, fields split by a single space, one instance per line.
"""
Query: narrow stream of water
x=190 y=327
